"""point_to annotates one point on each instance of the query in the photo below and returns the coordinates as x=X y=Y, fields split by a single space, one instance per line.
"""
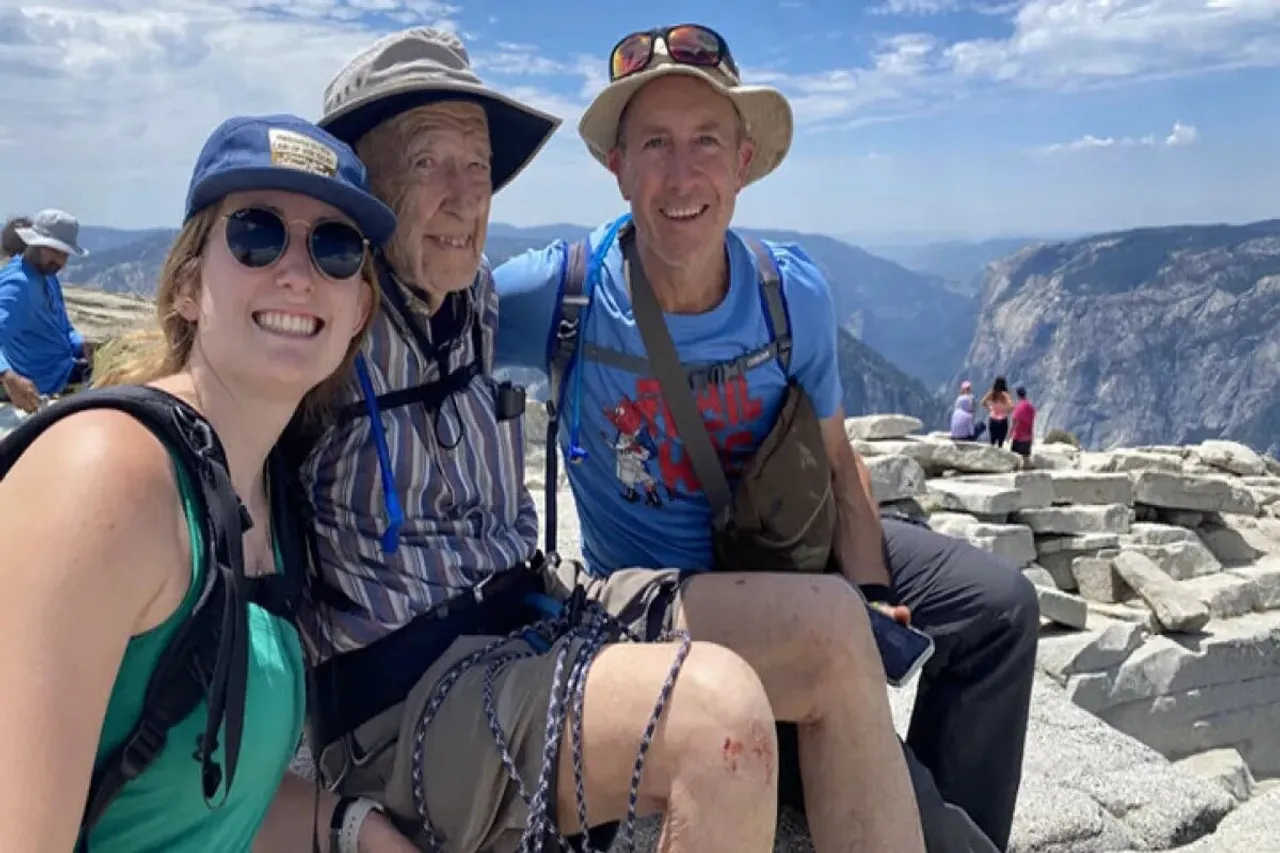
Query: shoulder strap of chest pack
x=566 y=326
x=434 y=393
x=207 y=658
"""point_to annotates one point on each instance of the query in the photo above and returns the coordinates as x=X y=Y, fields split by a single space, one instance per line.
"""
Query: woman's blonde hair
x=150 y=354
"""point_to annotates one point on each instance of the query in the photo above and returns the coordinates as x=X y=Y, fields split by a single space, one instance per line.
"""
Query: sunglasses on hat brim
x=257 y=237
x=687 y=44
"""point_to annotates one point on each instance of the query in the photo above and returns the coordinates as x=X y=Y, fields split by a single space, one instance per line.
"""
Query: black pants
x=81 y=373
x=965 y=743
x=999 y=431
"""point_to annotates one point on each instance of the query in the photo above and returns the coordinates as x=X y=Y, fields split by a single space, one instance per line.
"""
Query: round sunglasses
x=257 y=237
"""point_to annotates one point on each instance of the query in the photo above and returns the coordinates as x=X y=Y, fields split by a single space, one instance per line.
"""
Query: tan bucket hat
x=424 y=65
x=765 y=111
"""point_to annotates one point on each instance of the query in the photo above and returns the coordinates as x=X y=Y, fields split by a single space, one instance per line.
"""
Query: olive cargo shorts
x=470 y=798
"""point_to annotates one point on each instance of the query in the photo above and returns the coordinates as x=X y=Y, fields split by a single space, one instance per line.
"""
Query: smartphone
x=903 y=649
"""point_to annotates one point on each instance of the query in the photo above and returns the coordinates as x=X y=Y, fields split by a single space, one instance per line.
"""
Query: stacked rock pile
x=1168 y=537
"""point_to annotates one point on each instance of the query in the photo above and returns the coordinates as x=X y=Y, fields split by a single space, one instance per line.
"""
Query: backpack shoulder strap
x=566 y=324
x=774 y=302
x=566 y=321
x=207 y=658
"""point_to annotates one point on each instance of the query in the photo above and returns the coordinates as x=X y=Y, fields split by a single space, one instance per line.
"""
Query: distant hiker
x=666 y=316
x=11 y=244
x=963 y=427
x=998 y=404
x=125 y=558
x=1024 y=424
x=41 y=353
x=456 y=684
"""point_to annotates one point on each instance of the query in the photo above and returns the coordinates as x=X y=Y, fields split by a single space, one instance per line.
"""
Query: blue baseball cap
x=285 y=152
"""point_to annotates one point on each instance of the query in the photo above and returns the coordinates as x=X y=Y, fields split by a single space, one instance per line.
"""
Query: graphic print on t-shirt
x=651 y=464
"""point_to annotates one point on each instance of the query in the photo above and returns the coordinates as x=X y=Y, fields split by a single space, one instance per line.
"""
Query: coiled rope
x=578 y=618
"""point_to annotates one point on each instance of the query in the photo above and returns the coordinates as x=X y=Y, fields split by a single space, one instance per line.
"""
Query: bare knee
x=714 y=743
x=725 y=725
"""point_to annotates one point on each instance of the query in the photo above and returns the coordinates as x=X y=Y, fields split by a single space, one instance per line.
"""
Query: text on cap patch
x=295 y=151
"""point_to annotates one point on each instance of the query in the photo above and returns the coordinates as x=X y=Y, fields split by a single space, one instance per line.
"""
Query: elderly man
x=441 y=693
x=41 y=353
x=683 y=136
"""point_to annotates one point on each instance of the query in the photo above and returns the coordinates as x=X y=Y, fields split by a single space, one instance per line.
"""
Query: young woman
x=998 y=404
x=263 y=301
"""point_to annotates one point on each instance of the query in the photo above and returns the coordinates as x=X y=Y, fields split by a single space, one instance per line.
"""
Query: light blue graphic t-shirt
x=636 y=491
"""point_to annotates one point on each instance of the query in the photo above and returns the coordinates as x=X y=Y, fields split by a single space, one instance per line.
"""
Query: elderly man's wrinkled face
x=681 y=160
x=431 y=165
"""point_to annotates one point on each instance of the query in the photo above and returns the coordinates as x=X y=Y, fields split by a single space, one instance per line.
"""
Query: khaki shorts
x=471 y=800
x=643 y=600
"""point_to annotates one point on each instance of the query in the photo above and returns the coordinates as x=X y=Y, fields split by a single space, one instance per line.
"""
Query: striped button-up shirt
x=459 y=475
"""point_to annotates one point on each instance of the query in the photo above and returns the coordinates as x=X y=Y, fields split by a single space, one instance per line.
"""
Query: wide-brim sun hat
x=287 y=153
x=53 y=229
x=766 y=113
x=421 y=66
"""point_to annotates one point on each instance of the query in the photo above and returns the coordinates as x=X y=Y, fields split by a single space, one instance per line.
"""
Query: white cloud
x=1181 y=135
x=1075 y=43
x=115 y=97
x=925 y=8
x=1055 y=45
x=915 y=7
x=107 y=101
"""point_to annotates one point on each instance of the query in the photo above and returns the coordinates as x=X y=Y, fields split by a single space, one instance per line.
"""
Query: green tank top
x=164 y=809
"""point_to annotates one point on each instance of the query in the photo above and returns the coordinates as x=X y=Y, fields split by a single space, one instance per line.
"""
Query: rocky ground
x=1208 y=696
x=1157 y=707
x=100 y=316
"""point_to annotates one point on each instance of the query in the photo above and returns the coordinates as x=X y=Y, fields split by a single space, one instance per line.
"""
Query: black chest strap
x=446 y=326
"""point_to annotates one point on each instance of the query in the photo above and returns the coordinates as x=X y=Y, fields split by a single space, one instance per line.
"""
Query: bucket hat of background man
x=421 y=66
x=53 y=229
x=694 y=51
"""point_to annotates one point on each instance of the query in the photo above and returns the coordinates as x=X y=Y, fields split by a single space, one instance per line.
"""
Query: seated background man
x=683 y=136
x=40 y=352
x=425 y=539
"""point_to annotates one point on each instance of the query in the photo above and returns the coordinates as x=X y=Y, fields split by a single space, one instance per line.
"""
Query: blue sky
x=916 y=119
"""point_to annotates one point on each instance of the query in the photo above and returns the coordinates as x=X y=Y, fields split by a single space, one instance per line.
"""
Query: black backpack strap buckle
x=142 y=748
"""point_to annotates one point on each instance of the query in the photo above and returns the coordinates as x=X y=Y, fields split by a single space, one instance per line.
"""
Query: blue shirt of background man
x=36 y=337
x=636 y=491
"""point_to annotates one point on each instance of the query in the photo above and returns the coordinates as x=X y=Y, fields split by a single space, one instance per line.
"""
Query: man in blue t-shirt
x=41 y=353
x=683 y=137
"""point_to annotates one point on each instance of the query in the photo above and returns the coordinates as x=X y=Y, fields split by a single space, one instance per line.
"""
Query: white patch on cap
x=295 y=151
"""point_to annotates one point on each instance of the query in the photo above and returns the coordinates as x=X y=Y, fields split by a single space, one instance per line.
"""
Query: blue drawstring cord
x=395 y=515
x=577 y=452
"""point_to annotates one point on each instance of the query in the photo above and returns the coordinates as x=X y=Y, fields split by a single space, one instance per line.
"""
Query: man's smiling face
x=681 y=160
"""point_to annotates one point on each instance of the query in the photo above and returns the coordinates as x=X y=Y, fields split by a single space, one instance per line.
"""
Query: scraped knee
x=727 y=729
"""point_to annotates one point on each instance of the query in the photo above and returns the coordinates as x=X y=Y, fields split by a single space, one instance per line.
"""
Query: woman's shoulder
x=107 y=448
x=97 y=493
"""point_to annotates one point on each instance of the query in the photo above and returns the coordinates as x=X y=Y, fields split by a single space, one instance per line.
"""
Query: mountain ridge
x=1150 y=335
x=1157 y=335
x=872 y=382
x=913 y=320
